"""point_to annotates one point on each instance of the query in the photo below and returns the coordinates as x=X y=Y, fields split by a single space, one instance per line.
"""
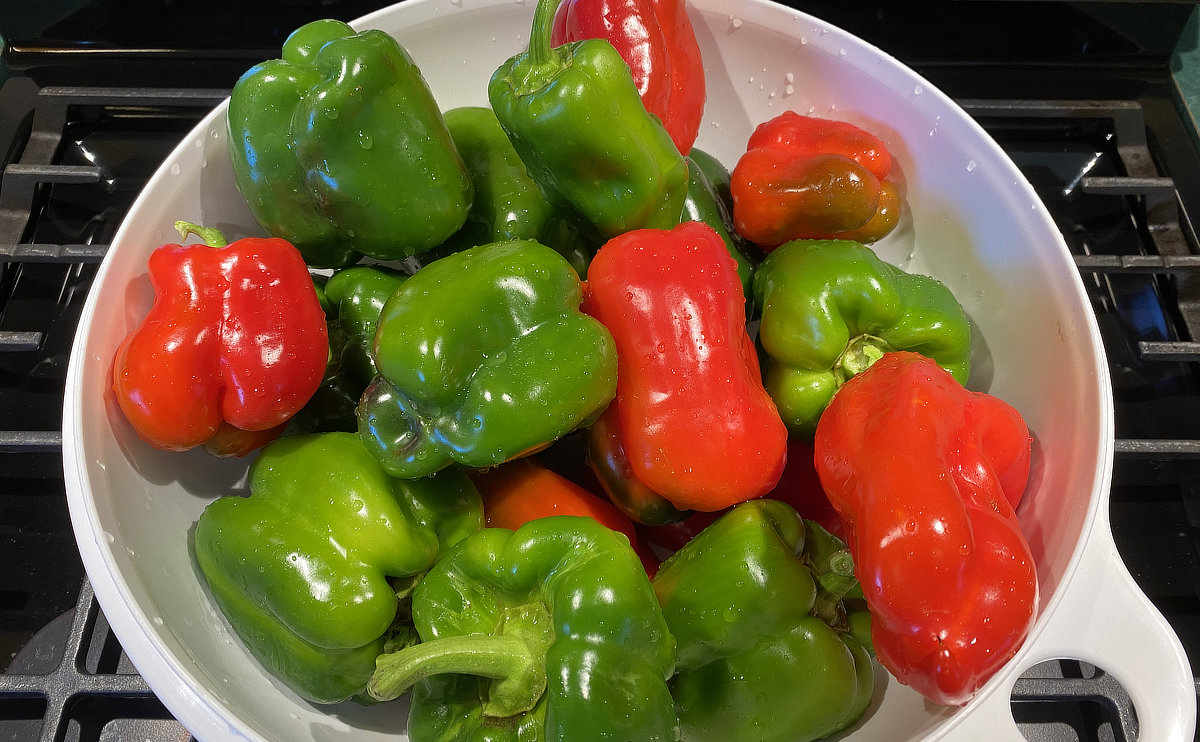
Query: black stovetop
x=96 y=94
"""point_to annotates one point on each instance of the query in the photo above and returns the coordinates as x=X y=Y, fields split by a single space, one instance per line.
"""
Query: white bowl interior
x=972 y=221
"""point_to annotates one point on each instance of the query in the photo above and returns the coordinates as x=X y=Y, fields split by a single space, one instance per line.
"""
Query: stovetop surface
x=1115 y=58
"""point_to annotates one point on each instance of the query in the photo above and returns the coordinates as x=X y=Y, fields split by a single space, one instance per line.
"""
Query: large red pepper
x=803 y=177
x=695 y=423
x=233 y=346
x=657 y=41
x=925 y=475
x=799 y=486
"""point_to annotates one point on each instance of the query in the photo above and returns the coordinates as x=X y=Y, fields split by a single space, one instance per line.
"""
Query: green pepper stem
x=839 y=580
x=500 y=657
x=540 y=37
x=209 y=235
x=860 y=354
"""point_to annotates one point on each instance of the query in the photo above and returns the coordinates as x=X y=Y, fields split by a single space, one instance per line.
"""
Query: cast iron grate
x=72 y=172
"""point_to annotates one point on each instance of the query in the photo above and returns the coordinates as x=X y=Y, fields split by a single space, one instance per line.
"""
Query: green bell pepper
x=577 y=121
x=309 y=569
x=340 y=148
x=831 y=308
x=549 y=632
x=357 y=296
x=508 y=203
x=764 y=648
x=484 y=356
x=704 y=203
x=352 y=299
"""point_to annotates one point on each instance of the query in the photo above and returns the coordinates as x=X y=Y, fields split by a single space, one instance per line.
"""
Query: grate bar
x=30 y=441
x=125 y=96
x=70 y=682
x=1154 y=350
x=1102 y=688
x=51 y=253
x=18 y=342
x=1117 y=185
x=1158 y=448
x=1137 y=263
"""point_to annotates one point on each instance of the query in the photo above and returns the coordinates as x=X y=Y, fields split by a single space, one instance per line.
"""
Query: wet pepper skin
x=926 y=475
x=508 y=204
x=575 y=118
x=550 y=632
x=692 y=417
x=766 y=647
x=308 y=568
x=340 y=147
x=803 y=177
x=831 y=308
x=234 y=345
x=484 y=356
x=657 y=41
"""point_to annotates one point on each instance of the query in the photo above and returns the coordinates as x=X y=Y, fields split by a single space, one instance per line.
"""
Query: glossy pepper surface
x=766 y=652
x=340 y=147
x=549 y=632
x=356 y=297
x=524 y=490
x=657 y=41
x=508 y=204
x=705 y=203
x=575 y=118
x=926 y=475
x=803 y=177
x=233 y=346
x=353 y=299
x=484 y=356
x=830 y=308
x=308 y=568
x=696 y=425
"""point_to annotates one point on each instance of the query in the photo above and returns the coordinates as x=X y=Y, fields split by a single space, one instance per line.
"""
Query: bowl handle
x=1106 y=621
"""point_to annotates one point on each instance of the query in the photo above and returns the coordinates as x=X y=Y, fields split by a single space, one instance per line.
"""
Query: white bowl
x=972 y=221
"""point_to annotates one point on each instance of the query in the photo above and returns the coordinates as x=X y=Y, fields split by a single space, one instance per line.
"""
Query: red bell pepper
x=924 y=474
x=695 y=423
x=799 y=486
x=657 y=41
x=803 y=177
x=233 y=346
x=522 y=490
x=610 y=466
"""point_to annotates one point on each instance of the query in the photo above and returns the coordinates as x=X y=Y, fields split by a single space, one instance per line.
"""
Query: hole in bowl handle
x=1104 y=619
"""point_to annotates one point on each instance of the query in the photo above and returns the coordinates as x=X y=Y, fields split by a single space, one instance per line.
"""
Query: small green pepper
x=352 y=299
x=765 y=649
x=549 y=632
x=309 y=568
x=508 y=203
x=578 y=122
x=484 y=356
x=339 y=147
x=831 y=308
x=358 y=295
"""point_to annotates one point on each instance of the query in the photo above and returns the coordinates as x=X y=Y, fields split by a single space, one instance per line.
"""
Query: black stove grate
x=78 y=157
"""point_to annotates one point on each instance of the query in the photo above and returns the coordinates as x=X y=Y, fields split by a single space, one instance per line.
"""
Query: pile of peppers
x=587 y=436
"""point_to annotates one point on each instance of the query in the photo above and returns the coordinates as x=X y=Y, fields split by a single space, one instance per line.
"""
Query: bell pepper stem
x=840 y=579
x=496 y=657
x=209 y=235
x=861 y=353
x=540 y=44
x=514 y=657
x=540 y=64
